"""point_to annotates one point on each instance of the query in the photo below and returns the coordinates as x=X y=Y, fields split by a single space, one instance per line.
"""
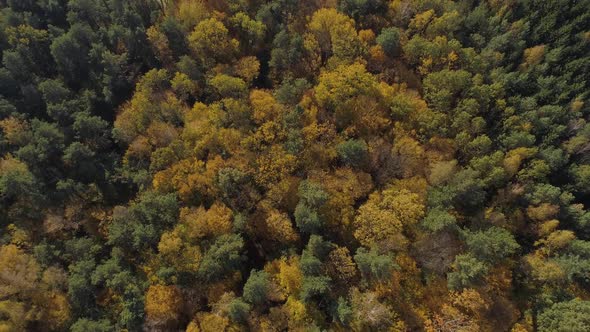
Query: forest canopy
x=283 y=165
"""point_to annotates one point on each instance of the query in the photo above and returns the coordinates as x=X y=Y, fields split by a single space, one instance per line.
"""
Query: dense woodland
x=284 y=165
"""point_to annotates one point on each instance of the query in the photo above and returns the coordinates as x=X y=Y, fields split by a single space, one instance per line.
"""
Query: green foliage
x=468 y=271
x=438 y=219
x=84 y=324
x=352 y=152
x=238 y=310
x=374 y=266
x=224 y=256
x=389 y=39
x=315 y=287
x=307 y=216
x=566 y=316
x=257 y=288
x=491 y=245
x=154 y=152
x=140 y=226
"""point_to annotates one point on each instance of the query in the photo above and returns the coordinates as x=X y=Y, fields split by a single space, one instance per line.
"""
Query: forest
x=295 y=165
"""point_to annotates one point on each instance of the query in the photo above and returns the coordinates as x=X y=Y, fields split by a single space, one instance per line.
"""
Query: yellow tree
x=381 y=219
x=163 y=305
x=210 y=41
x=27 y=298
x=338 y=86
x=344 y=188
x=335 y=34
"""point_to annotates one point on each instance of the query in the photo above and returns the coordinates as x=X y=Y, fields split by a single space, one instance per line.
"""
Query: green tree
x=224 y=256
x=353 y=152
x=389 y=39
x=257 y=288
x=565 y=316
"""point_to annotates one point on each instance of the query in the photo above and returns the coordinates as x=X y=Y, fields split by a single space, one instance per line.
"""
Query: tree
x=163 y=304
x=311 y=198
x=210 y=41
x=369 y=313
x=315 y=286
x=238 y=310
x=335 y=34
x=224 y=256
x=438 y=219
x=70 y=52
x=492 y=244
x=381 y=219
x=84 y=324
x=16 y=181
x=337 y=87
x=565 y=316
x=139 y=226
x=257 y=288
x=353 y=152
x=389 y=39
x=228 y=86
x=468 y=271
x=374 y=266
x=360 y=8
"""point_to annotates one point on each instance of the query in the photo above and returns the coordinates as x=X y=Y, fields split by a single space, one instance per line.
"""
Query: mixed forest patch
x=284 y=165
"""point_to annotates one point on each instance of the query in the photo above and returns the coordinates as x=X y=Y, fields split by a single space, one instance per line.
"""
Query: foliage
x=332 y=165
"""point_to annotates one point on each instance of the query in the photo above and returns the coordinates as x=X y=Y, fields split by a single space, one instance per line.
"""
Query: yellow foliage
x=296 y=309
x=191 y=12
x=421 y=20
x=57 y=312
x=343 y=83
x=577 y=105
x=470 y=301
x=265 y=107
x=280 y=227
x=533 y=56
x=411 y=156
x=416 y=184
x=19 y=272
x=548 y=227
x=163 y=303
x=248 y=68
x=560 y=239
x=335 y=33
x=344 y=187
x=320 y=149
x=367 y=36
x=16 y=131
x=515 y=157
x=183 y=86
x=193 y=327
x=200 y=223
x=13 y=316
x=542 y=212
x=210 y=322
x=161 y=134
x=159 y=43
x=24 y=34
x=341 y=266
x=442 y=171
x=210 y=40
x=377 y=56
x=186 y=177
x=170 y=243
x=290 y=276
x=19 y=279
x=381 y=219
x=544 y=270
x=283 y=194
x=274 y=165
